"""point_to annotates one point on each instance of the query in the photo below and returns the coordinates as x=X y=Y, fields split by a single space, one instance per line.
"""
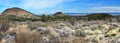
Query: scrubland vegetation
x=92 y=28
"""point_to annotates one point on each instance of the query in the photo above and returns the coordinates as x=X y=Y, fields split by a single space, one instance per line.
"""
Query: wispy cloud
x=41 y=3
x=32 y=3
x=52 y=6
x=105 y=9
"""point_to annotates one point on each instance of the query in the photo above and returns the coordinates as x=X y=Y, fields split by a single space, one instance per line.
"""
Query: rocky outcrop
x=58 y=14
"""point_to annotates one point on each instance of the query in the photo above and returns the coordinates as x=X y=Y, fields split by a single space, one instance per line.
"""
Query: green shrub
x=44 y=18
x=80 y=33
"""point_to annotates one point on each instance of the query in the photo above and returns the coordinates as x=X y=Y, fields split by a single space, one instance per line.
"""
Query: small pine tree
x=49 y=17
x=44 y=18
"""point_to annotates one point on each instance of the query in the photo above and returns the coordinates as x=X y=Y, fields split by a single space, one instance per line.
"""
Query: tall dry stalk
x=4 y=25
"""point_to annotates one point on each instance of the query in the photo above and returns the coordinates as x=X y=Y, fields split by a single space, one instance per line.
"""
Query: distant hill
x=58 y=14
x=18 y=12
x=76 y=14
x=84 y=14
x=106 y=15
x=101 y=16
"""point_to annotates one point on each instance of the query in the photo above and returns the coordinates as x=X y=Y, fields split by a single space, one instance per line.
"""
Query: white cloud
x=41 y=3
x=105 y=9
x=32 y=3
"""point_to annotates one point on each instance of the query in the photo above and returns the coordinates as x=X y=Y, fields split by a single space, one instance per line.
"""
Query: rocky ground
x=62 y=32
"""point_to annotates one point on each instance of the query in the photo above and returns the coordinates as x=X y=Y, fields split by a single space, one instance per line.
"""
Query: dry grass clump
x=24 y=35
x=4 y=25
x=54 y=36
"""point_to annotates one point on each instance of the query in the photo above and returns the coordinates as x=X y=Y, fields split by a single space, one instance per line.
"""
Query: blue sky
x=72 y=6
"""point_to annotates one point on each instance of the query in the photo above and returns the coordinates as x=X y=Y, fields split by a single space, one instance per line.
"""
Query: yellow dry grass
x=24 y=35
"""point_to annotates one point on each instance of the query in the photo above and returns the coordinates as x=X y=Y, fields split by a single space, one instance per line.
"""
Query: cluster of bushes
x=99 y=16
x=15 y=18
x=95 y=16
x=46 y=18
x=43 y=18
